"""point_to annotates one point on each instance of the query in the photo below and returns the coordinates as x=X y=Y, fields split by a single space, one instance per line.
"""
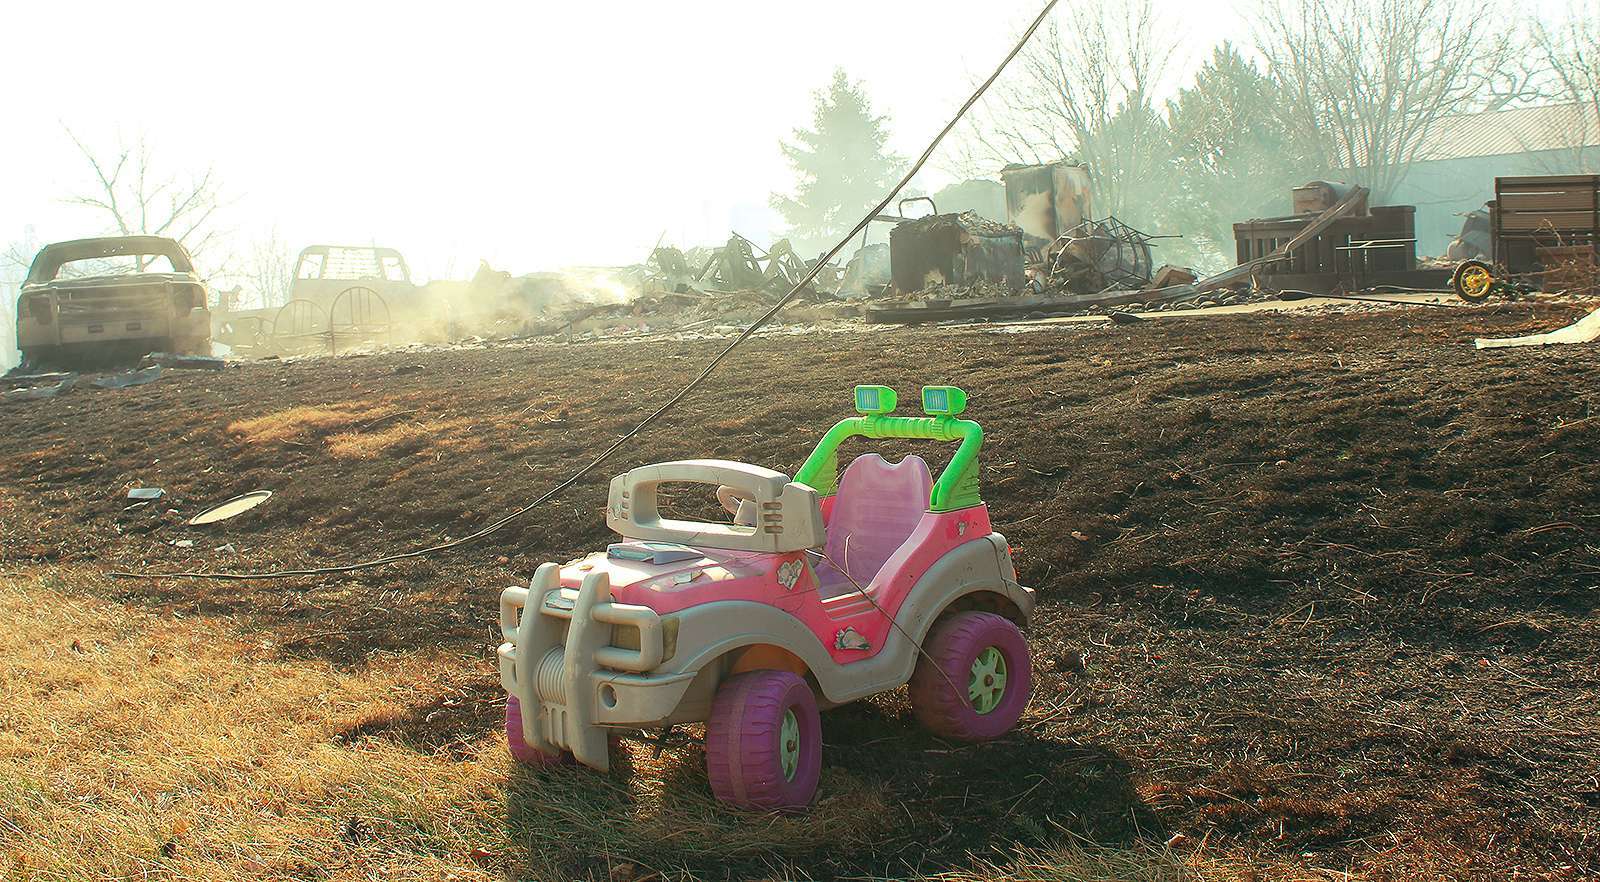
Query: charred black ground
x=1318 y=589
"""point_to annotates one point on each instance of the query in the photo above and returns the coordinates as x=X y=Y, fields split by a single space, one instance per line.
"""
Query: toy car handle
x=751 y=481
x=788 y=517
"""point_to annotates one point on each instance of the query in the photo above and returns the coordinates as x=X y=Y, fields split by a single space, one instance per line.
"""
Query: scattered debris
x=130 y=378
x=1334 y=242
x=17 y=380
x=234 y=507
x=1584 y=330
x=1475 y=241
x=868 y=272
x=1169 y=276
x=1255 y=256
x=1097 y=256
x=1539 y=222
x=184 y=362
x=1474 y=281
x=1045 y=201
x=1316 y=197
x=33 y=388
x=146 y=493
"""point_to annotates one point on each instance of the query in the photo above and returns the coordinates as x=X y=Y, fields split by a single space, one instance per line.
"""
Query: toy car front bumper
x=561 y=660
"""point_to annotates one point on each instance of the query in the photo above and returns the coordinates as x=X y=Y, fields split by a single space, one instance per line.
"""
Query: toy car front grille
x=550 y=681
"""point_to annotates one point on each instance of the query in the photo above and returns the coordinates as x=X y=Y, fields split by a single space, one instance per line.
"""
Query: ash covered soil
x=1316 y=590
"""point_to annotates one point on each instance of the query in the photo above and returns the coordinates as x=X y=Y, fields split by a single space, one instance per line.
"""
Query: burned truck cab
x=93 y=299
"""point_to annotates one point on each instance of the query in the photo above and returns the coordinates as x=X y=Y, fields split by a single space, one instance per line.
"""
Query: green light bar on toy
x=875 y=400
x=943 y=400
x=956 y=486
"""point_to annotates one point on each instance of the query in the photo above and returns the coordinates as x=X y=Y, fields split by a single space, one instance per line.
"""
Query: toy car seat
x=875 y=510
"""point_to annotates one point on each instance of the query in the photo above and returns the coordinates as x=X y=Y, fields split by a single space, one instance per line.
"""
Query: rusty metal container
x=955 y=249
x=1319 y=196
x=1047 y=200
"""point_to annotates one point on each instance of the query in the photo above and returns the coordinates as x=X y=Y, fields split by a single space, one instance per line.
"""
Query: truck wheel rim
x=789 y=745
x=987 y=683
x=1475 y=281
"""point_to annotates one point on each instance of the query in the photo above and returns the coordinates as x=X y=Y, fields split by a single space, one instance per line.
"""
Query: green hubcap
x=987 y=685
x=789 y=745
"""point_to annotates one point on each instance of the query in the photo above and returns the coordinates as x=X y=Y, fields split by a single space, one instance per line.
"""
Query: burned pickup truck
x=92 y=300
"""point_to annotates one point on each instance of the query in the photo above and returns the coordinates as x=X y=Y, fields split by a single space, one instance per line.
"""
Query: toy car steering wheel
x=735 y=501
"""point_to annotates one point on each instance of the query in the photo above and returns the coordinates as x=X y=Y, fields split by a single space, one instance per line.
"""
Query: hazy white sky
x=532 y=134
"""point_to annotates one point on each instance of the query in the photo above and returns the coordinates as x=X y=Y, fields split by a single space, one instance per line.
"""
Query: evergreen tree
x=1235 y=157
x=841 y=163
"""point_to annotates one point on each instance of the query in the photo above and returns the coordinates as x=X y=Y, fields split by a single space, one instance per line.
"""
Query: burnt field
x=1317 y=591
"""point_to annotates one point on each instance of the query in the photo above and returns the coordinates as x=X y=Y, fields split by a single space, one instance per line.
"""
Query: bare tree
x=137 y=198
x=1087 y=89
x=269 y=270
x=1366 y=81
x=1522 y=78
x=8 y=327
x=14 y=262
x=18 y=256
x=1570 y=53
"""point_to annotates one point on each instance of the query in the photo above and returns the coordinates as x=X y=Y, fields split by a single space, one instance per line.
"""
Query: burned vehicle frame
x=105 y=313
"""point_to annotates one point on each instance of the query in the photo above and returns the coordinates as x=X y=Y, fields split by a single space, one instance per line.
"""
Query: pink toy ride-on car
x=817 y=591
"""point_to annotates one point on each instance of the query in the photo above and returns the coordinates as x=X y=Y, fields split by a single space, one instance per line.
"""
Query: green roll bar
x=957 y=485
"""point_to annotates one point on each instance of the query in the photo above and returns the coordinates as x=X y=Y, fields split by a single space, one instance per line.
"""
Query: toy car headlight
x=874 y=400
x=628 y=637
x=943 y=400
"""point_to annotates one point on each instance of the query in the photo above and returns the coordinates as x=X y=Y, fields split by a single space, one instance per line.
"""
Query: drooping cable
x=672 y=402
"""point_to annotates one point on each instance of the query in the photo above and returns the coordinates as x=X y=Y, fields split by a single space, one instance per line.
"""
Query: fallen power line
x=672 y=402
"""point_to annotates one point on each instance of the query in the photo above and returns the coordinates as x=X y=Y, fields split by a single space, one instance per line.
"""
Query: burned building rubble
x=1047 y=200
x=955 y=249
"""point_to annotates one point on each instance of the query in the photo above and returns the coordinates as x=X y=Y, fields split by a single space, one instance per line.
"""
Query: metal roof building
x=1461 y=157
x=1541 y=129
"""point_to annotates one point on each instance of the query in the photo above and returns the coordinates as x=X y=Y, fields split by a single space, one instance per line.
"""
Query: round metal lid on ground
x=236 y=506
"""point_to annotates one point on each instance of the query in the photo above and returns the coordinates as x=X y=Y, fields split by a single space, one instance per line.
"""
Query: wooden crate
x=1543 y=212
x=1330 y=253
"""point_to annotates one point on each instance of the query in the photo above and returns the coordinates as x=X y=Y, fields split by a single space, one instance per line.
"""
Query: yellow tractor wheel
x=1473 y=281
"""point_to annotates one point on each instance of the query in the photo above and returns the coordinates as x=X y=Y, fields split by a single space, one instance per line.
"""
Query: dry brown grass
x=138 y=746
x=296 y=423
x=357 y=430
x=1336 y=610
x=403 y=436
x=142 y=745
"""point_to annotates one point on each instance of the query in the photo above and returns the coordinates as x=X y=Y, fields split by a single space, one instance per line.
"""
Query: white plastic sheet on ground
x=1584 y=330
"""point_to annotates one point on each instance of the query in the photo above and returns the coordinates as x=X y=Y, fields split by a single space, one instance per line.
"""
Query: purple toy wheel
x=521 y=750
x=764 y=742
x=986 y=658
